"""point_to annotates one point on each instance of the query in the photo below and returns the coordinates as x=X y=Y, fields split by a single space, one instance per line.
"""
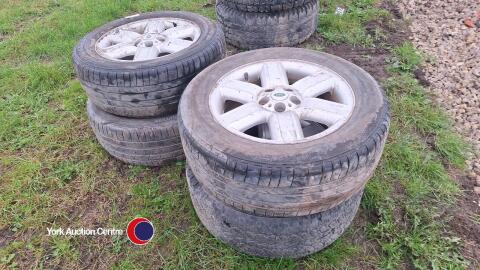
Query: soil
x=361 y=221
x=450 y=75
x=447 y=34
x=461 y=221
x=6 y=235
x=373 y=61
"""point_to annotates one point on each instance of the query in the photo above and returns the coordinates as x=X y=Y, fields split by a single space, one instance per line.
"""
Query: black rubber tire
x=147 y=88
x=272 y=237
x=284 y=179
x=149 y=142
x=246 y=30
x=267 y=6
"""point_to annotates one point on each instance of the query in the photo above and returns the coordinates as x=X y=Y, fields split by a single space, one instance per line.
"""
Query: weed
x=412 y=179
x=414 y=110
x=404 y=58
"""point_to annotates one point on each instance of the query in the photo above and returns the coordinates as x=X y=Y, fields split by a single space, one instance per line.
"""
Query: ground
x=418 y=211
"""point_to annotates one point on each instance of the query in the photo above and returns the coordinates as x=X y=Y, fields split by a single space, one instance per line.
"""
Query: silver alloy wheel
x=285 y=101
x=147 y=39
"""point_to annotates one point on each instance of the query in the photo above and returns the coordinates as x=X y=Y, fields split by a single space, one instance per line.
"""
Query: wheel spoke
x=127 y=35
x=322 y=111
x=285 y=127
x=239 y=91
x=314 y=86
x=273 y=74
x=123 y=36
x=180 y=32
x=244 y=117
x=146 y=53
x=175 y=45
x=120 y=50
x=154 y=27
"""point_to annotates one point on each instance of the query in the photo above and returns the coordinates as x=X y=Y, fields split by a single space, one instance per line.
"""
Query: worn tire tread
x=247 y=30
x=149 y=142
x=272 y=237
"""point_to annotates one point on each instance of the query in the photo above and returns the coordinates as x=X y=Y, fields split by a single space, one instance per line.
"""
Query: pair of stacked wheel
x=253 y=24
x=279 y=144
x=134 y=71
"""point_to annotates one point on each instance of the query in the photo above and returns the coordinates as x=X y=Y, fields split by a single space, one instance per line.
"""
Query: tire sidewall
x=86 y=54
x=200 y=125
x=126 y=123
x=271 y=236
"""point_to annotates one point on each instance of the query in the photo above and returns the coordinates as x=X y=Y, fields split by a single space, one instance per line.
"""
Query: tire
x=247 y=30
x=148 y=142
x=145 y=88
x=273 y=237
x=268 y=6
x=292 y=179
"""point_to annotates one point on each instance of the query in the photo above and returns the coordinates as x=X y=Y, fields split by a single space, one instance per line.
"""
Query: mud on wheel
x=271 y=236
x=283 y=131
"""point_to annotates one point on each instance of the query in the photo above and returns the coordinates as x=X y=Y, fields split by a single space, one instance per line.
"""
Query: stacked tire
x=253 y=24
x=279 y=144
x=134 y=71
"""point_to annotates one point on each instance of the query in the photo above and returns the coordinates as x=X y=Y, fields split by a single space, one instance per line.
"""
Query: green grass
x=349 y=28
x=416 y=110
x=405 y=58
x=411 y=185
x=15 y=15
x=53 y=173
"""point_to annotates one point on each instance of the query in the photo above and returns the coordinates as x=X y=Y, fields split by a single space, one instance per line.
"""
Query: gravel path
x=453 y=61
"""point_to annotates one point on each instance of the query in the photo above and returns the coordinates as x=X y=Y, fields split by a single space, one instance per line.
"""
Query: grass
x=54 y=174
x=412 y=185
x=405 y=58
x=350 y=27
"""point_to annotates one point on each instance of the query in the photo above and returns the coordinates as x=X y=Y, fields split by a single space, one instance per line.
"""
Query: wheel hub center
x=278 y=95
x=148 y=40
x=279 y=99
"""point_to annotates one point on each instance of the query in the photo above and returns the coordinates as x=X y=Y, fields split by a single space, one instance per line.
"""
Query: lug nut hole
x=263 y=101
x=295 y=100
x=148 y=43
x=280 y=107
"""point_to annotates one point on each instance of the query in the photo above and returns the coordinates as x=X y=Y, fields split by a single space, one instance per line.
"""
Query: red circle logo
x=140 y=231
